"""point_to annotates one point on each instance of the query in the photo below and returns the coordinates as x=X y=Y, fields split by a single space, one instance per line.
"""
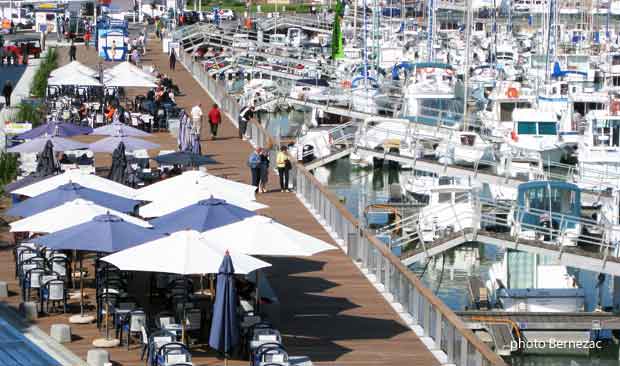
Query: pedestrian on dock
x=87 y=38
x=254 y=163
x=284 y=166
x=173 y=59
x=72 y=52
x=264 y=170
x=245 y=116
x=7 y=91
x=215 y=118
x=197 y=118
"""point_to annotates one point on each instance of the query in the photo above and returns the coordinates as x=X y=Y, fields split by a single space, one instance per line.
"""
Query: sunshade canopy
x=185 y=253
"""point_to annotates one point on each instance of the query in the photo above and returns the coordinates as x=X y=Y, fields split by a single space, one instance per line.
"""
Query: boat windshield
x=554 y=199
x=448 y=111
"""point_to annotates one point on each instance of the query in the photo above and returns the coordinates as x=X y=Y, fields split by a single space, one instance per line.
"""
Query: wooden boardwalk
x=330 y=312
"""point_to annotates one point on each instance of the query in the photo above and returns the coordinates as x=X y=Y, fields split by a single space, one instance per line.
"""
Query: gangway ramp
x=328 y=159
x=570 y=256
x=547 y=321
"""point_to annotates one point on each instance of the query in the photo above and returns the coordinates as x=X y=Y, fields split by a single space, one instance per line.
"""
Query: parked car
x=14 y=46
x=227 y=14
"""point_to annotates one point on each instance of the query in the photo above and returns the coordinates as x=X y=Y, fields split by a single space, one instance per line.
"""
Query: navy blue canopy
x=69 y=192
x=104 y=233
x=55 y=129
x=202 y=216
x=184 y=158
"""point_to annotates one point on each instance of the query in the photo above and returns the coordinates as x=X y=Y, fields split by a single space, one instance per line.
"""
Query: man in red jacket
x=215 y=118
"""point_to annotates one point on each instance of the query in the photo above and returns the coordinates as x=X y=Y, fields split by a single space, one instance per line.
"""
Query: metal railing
x=418 y=305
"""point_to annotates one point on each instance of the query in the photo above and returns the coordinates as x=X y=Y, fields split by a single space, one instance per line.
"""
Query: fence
x=418 y=305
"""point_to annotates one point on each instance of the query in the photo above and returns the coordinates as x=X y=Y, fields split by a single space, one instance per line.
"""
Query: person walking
x=264 y=170
x=113 y=50
x=72 y=52
x=215 y=118
x=197 y=118
x=87 y=38
x=245 y=116
x=7 y=91
x=254 y=163
x=284 y=166
x=173 y=59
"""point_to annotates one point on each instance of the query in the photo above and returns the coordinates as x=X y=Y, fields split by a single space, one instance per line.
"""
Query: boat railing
x=602 y=236
x=418 y=305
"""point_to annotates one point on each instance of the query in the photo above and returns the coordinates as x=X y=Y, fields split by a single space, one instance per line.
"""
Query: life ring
x=450 y=72
x=514 y=136
x=512 y=93
x=615 y=107
x=346 y=84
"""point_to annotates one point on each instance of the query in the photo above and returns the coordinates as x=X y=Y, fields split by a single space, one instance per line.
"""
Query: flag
x=337 y=46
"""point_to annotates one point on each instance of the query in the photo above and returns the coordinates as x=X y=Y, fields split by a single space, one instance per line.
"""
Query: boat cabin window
x=448 y=26
x=606 y=132
x=547 y=128
x=506 y=109
x=555 y=199
x=445 y=197
x=615 y=80
x=449 y=109
x=537 y=128
x=615 y=60
x=584 y=107
x=446 y=181
x=468 y=140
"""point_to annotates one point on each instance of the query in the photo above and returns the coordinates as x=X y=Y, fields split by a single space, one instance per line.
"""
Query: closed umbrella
x=69 y=192
x=66 y=215
x=202 y=216
x=108 y=144
x=183 y=252
x=184 y=158
x=57 y=129
x=224 y=335
x=118 y=128
x=46 y=163
x=195 y=146
x=119 y=165
x=36 y=145
x=78 y=176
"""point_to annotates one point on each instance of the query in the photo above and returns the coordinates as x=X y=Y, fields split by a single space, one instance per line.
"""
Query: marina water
x=446 y=274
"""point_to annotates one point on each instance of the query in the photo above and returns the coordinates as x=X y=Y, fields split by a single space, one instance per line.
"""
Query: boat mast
x=365 y=45
x=468 y=21
x=356 y=3
x=430 y=30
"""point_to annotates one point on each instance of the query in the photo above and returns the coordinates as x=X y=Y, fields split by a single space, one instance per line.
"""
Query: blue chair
x=269 y=354
x=157 y=340
x=171 y=353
